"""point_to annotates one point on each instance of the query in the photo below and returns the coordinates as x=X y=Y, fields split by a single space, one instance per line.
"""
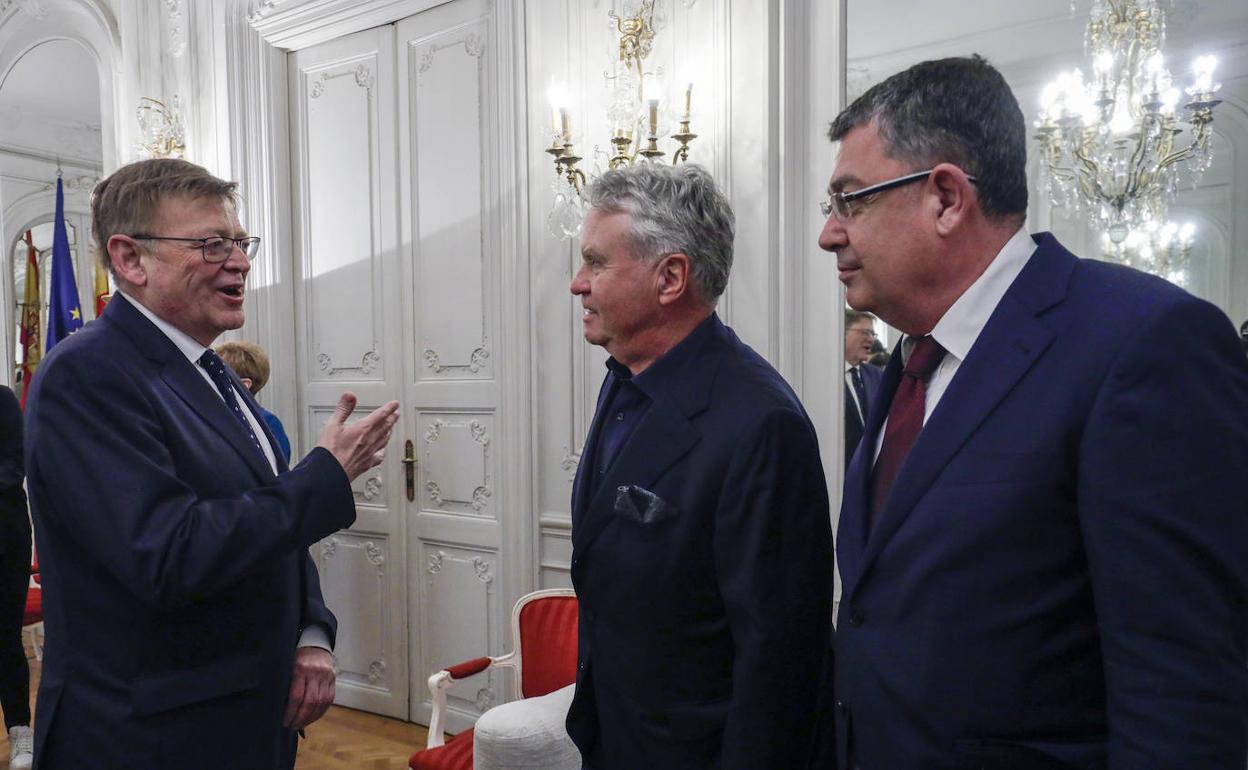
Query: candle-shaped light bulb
x=688 y=100
x=1204 y=75
x=653 y=94
x=565 y=125
x=557 y=94
x=1186 y=233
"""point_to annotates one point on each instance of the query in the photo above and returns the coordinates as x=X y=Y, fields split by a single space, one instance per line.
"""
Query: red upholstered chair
x=543 y=626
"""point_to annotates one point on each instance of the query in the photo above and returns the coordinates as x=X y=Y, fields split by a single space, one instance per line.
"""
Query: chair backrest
x=545 y=627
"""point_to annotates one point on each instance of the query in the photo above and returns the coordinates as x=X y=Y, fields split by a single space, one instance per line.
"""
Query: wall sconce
x=162 y=132
x=636 y=117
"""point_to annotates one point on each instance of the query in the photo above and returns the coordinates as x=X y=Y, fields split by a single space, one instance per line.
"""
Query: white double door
x=392 y=180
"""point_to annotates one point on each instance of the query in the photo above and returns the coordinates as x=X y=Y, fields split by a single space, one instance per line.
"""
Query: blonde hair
x=248 y=361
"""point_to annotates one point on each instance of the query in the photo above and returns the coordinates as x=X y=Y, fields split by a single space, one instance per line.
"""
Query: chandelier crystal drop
x=1161 y=248
x=1118 y=143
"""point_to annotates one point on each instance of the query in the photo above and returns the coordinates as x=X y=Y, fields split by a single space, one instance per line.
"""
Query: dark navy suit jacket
x=176 y=577
x=1060 y=575
x=703 y=566
x=871 y=378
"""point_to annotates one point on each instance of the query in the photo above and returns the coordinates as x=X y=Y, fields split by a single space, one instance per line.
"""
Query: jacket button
x=842 y=707
x=576 y=562
x=855 y=618
x=580 y=666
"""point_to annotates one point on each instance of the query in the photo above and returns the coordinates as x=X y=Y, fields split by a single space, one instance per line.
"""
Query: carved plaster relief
x=458 y=605
x=341 y=261
x=456 y=463
x=356 y=584
x=369 y=489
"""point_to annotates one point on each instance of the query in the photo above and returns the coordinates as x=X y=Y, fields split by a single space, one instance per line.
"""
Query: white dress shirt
x=314 y=635
x=960 y=326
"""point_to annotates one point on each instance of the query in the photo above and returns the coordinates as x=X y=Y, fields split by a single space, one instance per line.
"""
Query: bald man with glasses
x=184 y=617
x=1042 y=536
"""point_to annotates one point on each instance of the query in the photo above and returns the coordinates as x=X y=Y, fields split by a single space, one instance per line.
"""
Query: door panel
x=446 y=132
x=349 y=337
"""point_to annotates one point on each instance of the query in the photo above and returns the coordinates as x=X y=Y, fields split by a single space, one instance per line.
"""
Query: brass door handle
x=409 y=469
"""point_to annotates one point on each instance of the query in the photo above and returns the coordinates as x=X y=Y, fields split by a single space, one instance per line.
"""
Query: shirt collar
x=189 y=347
x=666 y=368
x=961 y=324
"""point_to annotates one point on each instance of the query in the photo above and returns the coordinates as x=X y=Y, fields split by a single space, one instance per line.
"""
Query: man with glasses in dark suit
x=185 y=624
x=1042 y=537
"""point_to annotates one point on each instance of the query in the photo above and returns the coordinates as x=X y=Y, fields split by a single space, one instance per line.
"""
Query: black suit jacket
x=176 y=577
x=703 y=566
x=1059 y=578
x=871 y=377
x=14 y=519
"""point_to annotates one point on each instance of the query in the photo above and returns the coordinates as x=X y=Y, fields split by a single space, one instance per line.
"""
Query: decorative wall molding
x=435 y=562
x=175 y=29
x=368 y=362
x=486 y=699
x=476 y=360
x=295 y=24
x=375 y=555
x=482 y=568
x=376 y=670
x=570 y=462
x=457 y=464
x=329 y=546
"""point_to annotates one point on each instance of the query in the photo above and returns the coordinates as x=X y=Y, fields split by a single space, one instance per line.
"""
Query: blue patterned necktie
x=215 y=367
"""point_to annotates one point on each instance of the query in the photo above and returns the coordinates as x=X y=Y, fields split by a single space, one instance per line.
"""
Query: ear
x=674 y=278
x=124 y=253
x=956 y=199
x=246 y=382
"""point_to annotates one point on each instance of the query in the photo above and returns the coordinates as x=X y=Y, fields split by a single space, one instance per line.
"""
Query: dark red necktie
x=905 y=420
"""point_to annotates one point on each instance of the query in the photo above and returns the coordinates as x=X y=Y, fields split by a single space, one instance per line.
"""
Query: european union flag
x=64 y=311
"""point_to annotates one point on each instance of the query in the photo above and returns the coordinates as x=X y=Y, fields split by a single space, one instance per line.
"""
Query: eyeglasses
x=215 y=249
x=838 y=202
x=868 y=333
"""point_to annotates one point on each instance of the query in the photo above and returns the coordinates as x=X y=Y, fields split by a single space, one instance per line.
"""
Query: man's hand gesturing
x=360 y=445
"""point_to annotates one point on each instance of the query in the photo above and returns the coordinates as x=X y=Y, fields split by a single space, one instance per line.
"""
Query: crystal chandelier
x=636 y=116
x=1111 y=145
x=1163 y=249
x=162 y=134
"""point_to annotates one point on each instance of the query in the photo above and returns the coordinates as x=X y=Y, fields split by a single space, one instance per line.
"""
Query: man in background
x=862 y=380
x=701 y=545
x=185 y=624
x=1043 y=561
x=14 y=583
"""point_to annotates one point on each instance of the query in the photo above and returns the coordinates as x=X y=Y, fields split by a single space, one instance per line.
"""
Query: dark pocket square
x=642 y=505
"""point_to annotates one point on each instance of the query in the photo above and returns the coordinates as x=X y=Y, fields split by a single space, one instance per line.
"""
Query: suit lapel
x=1010 y=343
x=182 y=378
x=856 y=499
x=582 y=483
x=180 y=375
x=663 y=437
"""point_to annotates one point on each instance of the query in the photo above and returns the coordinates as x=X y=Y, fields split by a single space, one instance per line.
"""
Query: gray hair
x=958 y=110
x=673 y=209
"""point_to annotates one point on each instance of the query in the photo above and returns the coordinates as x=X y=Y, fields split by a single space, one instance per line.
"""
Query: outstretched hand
x=361 y=444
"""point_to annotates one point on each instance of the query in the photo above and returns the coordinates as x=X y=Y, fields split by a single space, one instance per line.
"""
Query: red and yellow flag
x=101 y=289
x=32 y=351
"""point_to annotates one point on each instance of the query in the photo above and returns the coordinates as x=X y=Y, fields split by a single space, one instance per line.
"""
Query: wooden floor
x=343 y=738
